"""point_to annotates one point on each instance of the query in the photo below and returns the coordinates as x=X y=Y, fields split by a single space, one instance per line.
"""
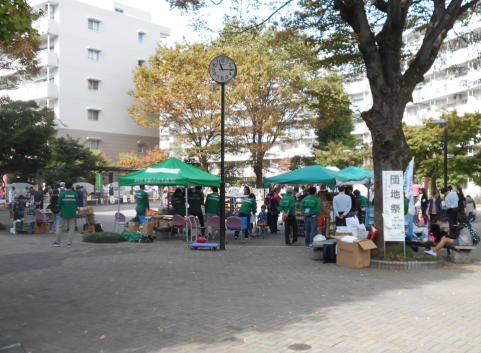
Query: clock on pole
x=223 y=70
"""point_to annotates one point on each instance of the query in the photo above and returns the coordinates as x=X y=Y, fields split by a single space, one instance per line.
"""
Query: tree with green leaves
x=333 y=156
x=24 y=136
x=334 y=117
x=176 y=84
x=276 y=84
x=19 y=43
x=70 y=160
x=368 y=36
x=297 y=162
x=427 y=146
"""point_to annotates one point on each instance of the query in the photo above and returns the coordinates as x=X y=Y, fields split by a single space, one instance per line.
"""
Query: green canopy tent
x=314 y=174
x=355 y=172
x=171 y=172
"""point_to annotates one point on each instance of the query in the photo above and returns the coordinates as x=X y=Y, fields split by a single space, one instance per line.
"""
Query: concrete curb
x=406 y=265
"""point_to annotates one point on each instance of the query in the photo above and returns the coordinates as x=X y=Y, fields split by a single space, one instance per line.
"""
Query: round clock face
x=222 y=69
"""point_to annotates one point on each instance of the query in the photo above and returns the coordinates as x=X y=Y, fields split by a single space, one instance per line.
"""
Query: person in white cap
x=62 y=188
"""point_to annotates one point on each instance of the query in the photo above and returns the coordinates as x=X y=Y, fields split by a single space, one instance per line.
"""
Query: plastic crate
x=408 y=226
x=369 y=217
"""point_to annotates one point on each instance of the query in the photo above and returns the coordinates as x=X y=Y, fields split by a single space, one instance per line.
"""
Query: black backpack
x=272 y=206
x=329 y=253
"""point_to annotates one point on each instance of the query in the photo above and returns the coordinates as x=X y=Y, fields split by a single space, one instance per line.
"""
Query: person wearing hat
x=18 y=210
x=62 y=188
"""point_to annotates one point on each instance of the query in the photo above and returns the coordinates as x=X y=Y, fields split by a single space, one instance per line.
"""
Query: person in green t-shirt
x=361 y=200
x=178 y=203
x=248 y=205
x=67 y=203
x=288 y=207
x=310 y=208
x=196 y=200
x=142 y=201
x=212 y=204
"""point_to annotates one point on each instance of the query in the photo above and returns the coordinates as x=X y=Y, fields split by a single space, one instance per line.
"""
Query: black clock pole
x=222 y=172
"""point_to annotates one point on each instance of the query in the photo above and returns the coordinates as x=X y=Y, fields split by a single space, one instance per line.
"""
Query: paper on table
x=387 y=220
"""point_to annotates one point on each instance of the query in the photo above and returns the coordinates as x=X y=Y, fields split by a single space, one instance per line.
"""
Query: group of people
x=453 y=205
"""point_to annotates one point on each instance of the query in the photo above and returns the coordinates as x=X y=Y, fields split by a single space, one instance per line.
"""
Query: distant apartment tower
x=89 y=50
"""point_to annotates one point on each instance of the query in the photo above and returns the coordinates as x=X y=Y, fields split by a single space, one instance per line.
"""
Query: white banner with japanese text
x=393 y=205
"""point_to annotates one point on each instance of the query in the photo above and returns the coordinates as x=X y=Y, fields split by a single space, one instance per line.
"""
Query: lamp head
x=347 y=151
x=439 y=122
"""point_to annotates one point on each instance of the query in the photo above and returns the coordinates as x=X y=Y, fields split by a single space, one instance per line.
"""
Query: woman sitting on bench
x=460 y=236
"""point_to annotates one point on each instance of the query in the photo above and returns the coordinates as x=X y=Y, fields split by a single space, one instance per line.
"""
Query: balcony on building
x=39 y=91
x=48 y=58
x=46 y=26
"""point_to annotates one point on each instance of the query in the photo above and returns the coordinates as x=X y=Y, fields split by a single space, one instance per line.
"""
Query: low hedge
x=398 y=255
x=103 y=237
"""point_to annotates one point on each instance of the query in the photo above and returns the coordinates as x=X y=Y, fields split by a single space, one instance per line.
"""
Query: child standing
x=263 y=220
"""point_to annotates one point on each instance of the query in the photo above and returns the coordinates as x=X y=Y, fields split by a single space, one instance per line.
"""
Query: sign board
x=393 y=205
x=98 y=182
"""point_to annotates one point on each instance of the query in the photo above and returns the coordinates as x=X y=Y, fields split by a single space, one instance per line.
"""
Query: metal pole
x=186 y=214
x=349 y=159
x=446 y=155
x=118 y=211
x=222 y=172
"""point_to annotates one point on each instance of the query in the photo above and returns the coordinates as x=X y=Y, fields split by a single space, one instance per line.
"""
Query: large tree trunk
x=258 y=173
x=390 y=150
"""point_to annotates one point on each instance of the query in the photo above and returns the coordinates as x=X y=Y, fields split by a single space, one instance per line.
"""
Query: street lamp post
x=348 y=151
x=445 y=123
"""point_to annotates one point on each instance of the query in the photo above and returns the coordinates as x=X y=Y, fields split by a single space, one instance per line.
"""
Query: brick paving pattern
x=260 y=297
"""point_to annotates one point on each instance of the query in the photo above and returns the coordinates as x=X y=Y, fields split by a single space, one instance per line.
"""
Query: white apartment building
x=89 y=51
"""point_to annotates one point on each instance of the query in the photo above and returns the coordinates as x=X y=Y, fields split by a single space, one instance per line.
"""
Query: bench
x=461 y=254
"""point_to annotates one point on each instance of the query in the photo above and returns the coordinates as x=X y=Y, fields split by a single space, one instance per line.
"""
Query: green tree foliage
x=333 y=156
x=427 y=146
x=19 y=44
x=298 y=162
x=16 y=18
x=334 y=117
x=70 y=160
x=24 y=136
x=176 y=83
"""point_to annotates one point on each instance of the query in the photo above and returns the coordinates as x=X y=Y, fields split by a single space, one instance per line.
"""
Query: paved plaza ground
x=259 y=297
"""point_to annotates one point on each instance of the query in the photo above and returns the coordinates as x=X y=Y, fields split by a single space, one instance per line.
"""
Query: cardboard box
x=132 y=227
x=355 y=255
x=91 y=218
x=325 y=209
x=82 y=211
x=164 y=224
x=147 y=228
x=90 y=209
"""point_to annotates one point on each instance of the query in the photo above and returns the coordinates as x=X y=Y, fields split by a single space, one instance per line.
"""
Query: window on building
x=93 y=144
x=93 y=85
x=93 y=25
x=140 y=148
x=93 y=114
x=93 y=55
x=358 y=101
x=119 y=10
x=141 y=37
